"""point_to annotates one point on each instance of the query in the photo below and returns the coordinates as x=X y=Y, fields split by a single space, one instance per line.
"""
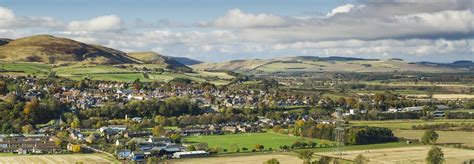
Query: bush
x=33 y=58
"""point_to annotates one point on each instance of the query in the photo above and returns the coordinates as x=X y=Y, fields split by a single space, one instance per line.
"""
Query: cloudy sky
x=217 y=30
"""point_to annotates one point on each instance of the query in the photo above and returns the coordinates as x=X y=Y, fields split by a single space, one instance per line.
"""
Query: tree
x=276 y=128
x=27 y=129
x=435 y=156
x=3 y=88
x=259 y=147
x=234 y=147
x=324 y=160
x=30 y=106
x=360 y=159
x=158 y=131
x=191 y=148
x=429 y=137
x=76 y=148
x=75 y=123
x=152 y=160
x=272 y=161
x=306 y=156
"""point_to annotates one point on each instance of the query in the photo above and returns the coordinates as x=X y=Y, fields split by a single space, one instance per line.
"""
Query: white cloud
x=101 y=23
x=8 y=20
x=412 y=30
x=340 y=9
x=237 y=19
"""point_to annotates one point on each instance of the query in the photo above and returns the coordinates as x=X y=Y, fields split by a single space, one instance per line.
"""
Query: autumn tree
x=158 y=131
x=27 y=129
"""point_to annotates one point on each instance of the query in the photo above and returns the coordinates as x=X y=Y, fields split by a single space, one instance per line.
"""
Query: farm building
x=188 y=154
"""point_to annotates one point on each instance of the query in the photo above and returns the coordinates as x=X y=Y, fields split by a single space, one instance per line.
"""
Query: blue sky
x=221 y=30
x=152 y=10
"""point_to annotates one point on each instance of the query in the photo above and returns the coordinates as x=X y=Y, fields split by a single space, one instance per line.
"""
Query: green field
x=248 y=140
x=26 y=68
x=108 y=73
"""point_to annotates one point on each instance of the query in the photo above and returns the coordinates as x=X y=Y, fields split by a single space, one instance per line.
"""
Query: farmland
x=108 y=73
x=407 y=124
x=56 y=159
x=248 y=140
x=415 y=154
x=283 y=158
x=445 y=137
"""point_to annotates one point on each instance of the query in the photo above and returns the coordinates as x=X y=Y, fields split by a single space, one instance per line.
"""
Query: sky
x=217 y=30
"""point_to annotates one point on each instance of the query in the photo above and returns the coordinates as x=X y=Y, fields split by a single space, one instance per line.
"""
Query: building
x=189 y=154
x=28 y=144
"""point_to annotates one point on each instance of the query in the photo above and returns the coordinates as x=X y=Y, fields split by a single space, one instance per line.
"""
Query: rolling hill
x=50 y=49
x=159 y=60
x=323 y=64
x=186 y=61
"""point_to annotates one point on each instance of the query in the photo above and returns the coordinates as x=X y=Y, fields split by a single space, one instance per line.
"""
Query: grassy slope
x=289 y=65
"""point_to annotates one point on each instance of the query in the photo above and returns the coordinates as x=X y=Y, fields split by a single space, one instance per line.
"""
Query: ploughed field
x=415 y=154
x=248 y=158
x=55 y=159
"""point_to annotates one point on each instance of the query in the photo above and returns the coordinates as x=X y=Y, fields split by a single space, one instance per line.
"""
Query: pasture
x=56 y=159
x=108 y=73
x=416 y=154
x=445 y=137
x=249 y=140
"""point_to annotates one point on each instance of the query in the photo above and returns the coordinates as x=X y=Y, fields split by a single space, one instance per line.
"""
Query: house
x=28 y=144
x=113 y=129
x=123 y=154
x=137 y=134
x=164 y=140
x=137 y=119
x=231 y=129
x=137 y=156
x=438 y=113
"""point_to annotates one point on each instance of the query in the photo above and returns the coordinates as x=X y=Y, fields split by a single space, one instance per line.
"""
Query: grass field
x=406 y=124
x=56 y=159
x=445 y=137
x=109 y=73
x=248 y=140
x=416 y=154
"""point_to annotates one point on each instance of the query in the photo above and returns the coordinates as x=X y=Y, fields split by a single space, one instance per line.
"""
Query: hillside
x=159 y=60
x=50 y=49
x=322 y=64
x=186 y=61
x=4 y=41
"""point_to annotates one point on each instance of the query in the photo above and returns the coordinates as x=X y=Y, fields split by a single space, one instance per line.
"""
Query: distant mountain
x=4 y=41
x=466 y=64
x=155 y=58
x=322 y=64
x=186 y=61
x=50 y=49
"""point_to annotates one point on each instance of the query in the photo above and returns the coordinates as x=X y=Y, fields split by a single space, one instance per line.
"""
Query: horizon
x=440 y=31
